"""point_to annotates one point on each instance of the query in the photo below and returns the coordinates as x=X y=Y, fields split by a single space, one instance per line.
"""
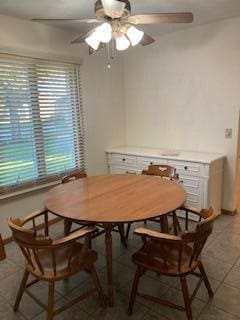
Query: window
x=41 y=121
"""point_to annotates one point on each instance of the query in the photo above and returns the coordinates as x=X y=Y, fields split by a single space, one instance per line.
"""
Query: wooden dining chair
x=167 y=172
x=53 y=260
x=68 y=222
x=2 y=250
x=174 y=256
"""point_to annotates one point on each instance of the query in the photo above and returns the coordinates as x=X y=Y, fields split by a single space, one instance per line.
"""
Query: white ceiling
x=205 y=11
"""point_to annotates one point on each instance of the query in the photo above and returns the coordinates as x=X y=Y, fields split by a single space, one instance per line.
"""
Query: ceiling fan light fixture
x=93 y=40
x=104 y=32
x=122 y=43
x=134 y=35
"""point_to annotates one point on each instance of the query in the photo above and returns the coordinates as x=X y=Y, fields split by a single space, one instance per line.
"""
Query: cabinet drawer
x=144 y=163
x=187 y=168
x=190 y=182
x=122 y=160
x=194 y=200
x=116 y=169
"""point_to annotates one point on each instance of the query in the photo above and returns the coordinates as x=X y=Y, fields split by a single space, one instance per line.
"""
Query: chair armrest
x=34 y=215
x=155 y=235
x=81 y=233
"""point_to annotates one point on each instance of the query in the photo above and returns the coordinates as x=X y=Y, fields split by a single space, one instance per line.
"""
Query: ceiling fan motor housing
x=100 y=14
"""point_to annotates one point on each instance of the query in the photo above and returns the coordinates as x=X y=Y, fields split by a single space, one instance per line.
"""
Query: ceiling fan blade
x=113 y=8
x=70 y=20
x=146 y=40
x=92 y=51
x=181 y=17
x=82 y=37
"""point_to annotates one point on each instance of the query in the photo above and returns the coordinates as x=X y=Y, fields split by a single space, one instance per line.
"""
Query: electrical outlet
x=228 y=133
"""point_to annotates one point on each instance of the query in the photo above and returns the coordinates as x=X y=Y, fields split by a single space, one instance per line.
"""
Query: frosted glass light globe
x=93 y=40
x=134 y=35
x=122 y=43
x=104 y=32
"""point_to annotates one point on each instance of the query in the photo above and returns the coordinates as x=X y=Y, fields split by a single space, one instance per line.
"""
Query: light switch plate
x=228 y=133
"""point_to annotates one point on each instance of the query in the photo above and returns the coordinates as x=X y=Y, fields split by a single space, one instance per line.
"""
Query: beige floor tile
x=175 y=296
x=212 y=313
x=215 y=268
x=153 y=316
x=7 y=268
x=10 y=285
x=6 y=312
x=227 y=299
x=73 y=313
x=233 y=277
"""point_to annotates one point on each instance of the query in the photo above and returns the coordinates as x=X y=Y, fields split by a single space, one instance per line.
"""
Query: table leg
x=108 y=243
x=164 y=224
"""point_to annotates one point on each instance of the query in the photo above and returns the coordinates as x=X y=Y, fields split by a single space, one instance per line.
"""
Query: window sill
x=29 y=189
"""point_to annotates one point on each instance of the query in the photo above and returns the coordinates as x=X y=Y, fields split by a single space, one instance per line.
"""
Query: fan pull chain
x=111 y=52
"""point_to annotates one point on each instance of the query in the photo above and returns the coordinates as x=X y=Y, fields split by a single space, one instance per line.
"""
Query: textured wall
x=183 y=91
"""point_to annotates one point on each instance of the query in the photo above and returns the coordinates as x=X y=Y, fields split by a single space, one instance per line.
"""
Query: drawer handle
x=185 y=167
x=151 y=163
x=123 y=159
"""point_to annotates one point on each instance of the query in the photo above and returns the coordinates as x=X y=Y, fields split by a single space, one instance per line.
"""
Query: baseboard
x=229 y=213
x=38 y=227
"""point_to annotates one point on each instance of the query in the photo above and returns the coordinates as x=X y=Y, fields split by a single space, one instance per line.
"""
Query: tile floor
x=222 y=262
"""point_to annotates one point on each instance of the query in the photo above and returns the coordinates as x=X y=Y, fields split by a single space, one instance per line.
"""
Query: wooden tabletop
x=115 y=198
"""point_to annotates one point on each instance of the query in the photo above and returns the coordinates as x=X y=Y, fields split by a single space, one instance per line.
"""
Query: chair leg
x=50 y=309
x=122 y=233
x=134 y=290
x=176 y=225
x=21 y=290
x=206 y=281
x=98 y=286
x=186 y=298
x=128 y=230
x=67 y=226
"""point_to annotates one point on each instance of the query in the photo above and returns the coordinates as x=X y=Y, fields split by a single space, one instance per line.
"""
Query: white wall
x=102 y=97
x=183 y=91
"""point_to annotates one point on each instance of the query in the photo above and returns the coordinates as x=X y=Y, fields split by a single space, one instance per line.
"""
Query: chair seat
x=62 y=254
x=164 y=258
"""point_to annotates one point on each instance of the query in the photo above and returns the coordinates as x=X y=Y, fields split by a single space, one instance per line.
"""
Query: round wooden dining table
x=111 y=199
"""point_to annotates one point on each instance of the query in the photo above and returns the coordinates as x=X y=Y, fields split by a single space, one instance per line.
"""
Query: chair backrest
x=163 y=171
x=74 y=176
x=198 y=238
x=190 y=244
x=37 y=249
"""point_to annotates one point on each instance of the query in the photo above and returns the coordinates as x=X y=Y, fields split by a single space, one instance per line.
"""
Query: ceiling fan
x=117 y=23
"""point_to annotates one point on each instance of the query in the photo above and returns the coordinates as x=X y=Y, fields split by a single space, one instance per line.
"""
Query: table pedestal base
x=108 y=243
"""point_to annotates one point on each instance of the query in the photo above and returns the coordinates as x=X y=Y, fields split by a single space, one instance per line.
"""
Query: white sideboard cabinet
x=201 y=173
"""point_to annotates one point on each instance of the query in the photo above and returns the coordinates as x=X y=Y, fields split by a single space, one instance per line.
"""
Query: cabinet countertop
x=179 y=155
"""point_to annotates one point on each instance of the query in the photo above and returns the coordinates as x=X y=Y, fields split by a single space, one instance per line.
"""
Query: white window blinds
x=41 y=121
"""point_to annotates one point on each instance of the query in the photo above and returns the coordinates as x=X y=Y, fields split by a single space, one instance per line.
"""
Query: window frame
x=78 y=123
